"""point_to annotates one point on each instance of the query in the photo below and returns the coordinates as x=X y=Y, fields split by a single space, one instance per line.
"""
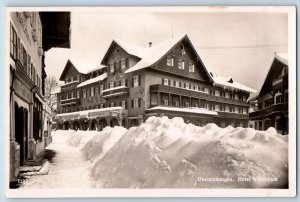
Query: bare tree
x=51 y=85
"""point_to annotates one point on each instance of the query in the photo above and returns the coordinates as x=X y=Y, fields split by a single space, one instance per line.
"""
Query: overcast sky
x=240 y=45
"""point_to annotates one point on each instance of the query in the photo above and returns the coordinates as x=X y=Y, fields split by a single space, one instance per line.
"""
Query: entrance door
x=21 y=126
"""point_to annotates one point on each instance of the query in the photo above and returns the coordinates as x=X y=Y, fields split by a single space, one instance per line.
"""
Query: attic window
x=118 y=50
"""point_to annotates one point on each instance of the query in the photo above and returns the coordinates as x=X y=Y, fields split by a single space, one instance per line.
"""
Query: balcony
x=72 y=84
x=276 y=108
x=222 y=114
x=116 y=91
x=70 y=101
x=194 y=94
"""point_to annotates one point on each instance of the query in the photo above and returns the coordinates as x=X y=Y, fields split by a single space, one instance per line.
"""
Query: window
x=101 y=89
x=124 y=104
x=244 y=98
x=13 y=42
x=78 y=94
x=227 y=109
x=206 y=90
x=123 y=82
x=176 y=104
x=244 y=110
x=166 y=82
x=236 y=97
x=180 y=64
x=136 y=81
x=92 y=91
x=187 y=104
x=217 y=93
x=227 y=95
x=123 y=63
x=191 y=67
x=28 y=64
x=112 y=104
x=96 y=90
x=236 y=110
x=72 y=95
x=217 y=108
x=111 y=84
x=166 y=102
x=196 y=105
x=187 y=86
x=101 y=106
x=135 y=103
x=196 y=87
x=84 y=93
x=177 y=84
x=112 y=69
x=170 y=61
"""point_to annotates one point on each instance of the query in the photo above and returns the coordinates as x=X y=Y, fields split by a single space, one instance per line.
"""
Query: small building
x=31 y=34
x=133 y=83
x=271 y=101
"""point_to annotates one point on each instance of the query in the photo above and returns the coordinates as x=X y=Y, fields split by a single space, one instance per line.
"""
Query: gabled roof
x=93 y=80
x=151 y=56
x=282 y=58
x=229 y=82
x=81 y=66
x=129 y=48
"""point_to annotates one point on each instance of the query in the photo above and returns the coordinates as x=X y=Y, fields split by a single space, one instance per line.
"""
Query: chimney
x=150 y=44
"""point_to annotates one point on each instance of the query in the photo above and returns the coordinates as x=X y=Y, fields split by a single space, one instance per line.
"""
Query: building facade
x=31 y=33
x=166 y=79
x=271 y=102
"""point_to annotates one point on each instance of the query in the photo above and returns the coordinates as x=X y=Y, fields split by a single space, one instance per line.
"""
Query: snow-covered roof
x=85 y=67
x=87 y=112
x=93 y=80
x=223 y=81
x=151 y=55
x=283 y=57
x=188 y=110
x=131 y=48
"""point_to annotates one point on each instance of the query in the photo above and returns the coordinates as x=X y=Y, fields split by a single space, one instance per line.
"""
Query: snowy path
x=68 y=170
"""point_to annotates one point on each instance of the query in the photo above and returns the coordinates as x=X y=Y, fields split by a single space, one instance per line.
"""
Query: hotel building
x=133 y=83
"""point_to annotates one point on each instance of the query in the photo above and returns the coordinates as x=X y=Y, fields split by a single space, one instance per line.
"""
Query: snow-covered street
x=166 y=153
x=68 y=169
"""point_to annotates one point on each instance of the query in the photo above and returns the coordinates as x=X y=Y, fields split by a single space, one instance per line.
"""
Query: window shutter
x=140 y=102
x=132 y=103
x=126 y=83
x=140 y=78
x=119 y=64
x=169 y=81
x=132 y=81
x=184 y=85
x=162 y=81
x=179 y=84
x=125 y=104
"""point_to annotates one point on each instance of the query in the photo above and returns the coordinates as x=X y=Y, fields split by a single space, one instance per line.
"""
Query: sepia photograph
x=151 y=101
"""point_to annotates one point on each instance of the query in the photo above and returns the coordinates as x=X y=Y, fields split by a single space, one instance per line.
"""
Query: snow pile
x=80 y=138
x=102 y=142
x=167 y=153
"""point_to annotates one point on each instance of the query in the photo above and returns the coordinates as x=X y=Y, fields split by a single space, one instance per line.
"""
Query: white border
x=79 y=193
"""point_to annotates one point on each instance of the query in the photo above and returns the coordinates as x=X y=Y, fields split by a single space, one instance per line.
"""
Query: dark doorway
x=114 y=122
x=21 y=131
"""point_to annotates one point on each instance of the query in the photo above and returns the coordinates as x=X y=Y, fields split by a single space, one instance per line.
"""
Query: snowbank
x=167 y=153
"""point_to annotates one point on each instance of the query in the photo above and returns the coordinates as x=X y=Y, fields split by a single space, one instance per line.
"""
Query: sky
x=235 y=44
